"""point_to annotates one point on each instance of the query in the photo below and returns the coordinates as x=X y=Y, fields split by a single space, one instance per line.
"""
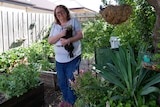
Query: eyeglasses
x=60 y=12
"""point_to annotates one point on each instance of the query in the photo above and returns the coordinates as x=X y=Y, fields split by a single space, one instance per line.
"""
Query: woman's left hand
x=64 y=41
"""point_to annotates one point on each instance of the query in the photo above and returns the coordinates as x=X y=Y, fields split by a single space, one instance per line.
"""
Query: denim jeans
x=64 y=73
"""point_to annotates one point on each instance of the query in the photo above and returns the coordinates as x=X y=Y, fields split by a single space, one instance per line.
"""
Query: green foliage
x=20 y=66
x=45 y=64
x=126 y=73
x=96 y=34
x=7 y=59
x=40 y=51
x=47 y=31
x=138 y=28
x=155 y=58
x=120 y=104
x=117 y=1
x=20 y=79
x=90 y=91
x=145 y=19
x=135 y=31
x=36 y=53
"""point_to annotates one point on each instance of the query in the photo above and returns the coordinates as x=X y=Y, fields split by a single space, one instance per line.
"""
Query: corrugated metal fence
x=19 y=28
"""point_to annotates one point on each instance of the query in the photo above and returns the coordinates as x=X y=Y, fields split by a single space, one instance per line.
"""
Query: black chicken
x=69 y=47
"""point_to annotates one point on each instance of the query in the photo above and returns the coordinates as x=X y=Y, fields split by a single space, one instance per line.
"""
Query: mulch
x=52 y=97
x=52 y=94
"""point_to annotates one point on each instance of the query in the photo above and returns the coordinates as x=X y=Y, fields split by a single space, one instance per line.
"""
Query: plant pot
x=33 y=98
x=102 y=56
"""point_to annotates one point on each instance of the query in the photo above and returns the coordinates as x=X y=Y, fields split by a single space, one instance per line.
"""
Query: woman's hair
x=65 y=9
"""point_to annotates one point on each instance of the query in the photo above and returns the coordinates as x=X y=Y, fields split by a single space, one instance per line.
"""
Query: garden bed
x=33 y=98
x=51 y=97
x=49 y=78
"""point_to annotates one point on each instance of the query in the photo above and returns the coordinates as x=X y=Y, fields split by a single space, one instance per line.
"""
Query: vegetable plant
x=19 y=80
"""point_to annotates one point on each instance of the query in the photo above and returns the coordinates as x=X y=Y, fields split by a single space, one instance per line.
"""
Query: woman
x=66 y=65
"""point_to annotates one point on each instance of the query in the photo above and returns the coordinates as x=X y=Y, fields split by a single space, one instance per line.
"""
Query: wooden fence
x=22 y=28
x=18 y=28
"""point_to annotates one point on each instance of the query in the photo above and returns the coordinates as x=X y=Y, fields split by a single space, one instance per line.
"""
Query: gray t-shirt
x=61 y=55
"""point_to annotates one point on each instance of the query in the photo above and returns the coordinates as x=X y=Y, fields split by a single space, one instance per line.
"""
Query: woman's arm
x=78 y=36
x=54 y=39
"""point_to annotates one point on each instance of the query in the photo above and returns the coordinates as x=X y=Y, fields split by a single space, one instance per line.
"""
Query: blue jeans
x=64 y=73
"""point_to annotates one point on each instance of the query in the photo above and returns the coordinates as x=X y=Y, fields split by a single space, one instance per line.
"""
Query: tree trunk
x=156 y=30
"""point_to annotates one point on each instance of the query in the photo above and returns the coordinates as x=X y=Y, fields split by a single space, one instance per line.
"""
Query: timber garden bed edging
x=33 y=98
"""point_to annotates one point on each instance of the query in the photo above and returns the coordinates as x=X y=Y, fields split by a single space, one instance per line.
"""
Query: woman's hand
x=54 y=39
x=64 y=41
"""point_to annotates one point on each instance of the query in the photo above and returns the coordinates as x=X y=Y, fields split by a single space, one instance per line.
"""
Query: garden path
x=52 y=97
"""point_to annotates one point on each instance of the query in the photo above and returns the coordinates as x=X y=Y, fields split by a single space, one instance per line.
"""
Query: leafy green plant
x=97 y=34
x=8 y=58
x=20 y=79
x=45 y=64
x=39 y=53
x=19 y=68
x=138 y=28
x=133 y=82
x=156 y=58
x=47 y=49
x=90 y=90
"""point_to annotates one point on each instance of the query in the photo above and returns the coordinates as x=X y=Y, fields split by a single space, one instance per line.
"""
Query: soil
x=52 y=97
x=52 y=94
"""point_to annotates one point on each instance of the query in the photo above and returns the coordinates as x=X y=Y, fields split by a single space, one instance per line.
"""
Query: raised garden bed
x=33 y=98
x=49 y=78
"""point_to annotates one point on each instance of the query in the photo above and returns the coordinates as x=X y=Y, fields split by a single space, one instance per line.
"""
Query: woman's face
x=61 y=14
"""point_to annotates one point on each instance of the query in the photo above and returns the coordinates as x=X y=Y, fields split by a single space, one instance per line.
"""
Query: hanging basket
x=116 y=14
